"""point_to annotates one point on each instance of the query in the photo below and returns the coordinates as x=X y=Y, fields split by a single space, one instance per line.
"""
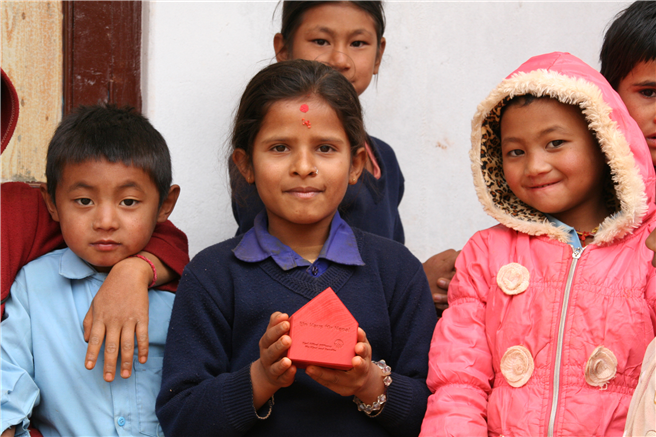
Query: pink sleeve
x=460 y=362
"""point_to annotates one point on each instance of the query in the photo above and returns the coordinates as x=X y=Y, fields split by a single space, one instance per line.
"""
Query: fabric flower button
x=513 y=278
x=601 y=367
x=517 y=366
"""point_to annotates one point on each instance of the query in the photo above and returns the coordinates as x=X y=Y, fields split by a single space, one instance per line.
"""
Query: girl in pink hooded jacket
x=550 y=312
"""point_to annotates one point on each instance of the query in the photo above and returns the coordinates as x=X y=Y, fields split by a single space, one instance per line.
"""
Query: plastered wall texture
x=442 y=59
x=32 y=57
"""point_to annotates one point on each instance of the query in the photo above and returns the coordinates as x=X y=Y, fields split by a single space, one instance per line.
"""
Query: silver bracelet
x=377 y=406
x=271 y=402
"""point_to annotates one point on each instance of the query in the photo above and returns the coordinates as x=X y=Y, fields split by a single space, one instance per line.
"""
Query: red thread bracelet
x=152 y=266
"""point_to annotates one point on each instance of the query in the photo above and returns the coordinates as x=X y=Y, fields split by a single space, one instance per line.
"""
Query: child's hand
x=272 y=370
x=439 y=270
x=364 y=380
x=651 y=244
x=9 y=432
x=119 y=309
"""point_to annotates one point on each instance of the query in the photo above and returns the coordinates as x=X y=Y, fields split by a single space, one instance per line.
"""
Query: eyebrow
x=79 y=185
x=550 y=129
x=543 y=132
x=288 y=139
x=131 y=184
x=648 y=83
x=330 y=32
x=84 y=185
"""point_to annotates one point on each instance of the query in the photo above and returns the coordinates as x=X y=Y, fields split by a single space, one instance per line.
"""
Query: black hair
x=293 y=12
x=630 y=39
x=521 y=101
x=289 y=80
x=107 y=132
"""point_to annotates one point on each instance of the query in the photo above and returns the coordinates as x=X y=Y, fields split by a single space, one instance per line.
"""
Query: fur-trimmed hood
x=570 y=81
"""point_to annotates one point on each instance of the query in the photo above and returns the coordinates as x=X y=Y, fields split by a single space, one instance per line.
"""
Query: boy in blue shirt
x=109 y=184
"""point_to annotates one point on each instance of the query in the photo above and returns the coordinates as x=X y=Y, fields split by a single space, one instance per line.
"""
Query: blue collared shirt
x=43 y=351
x=574 y=239
x=340 y=247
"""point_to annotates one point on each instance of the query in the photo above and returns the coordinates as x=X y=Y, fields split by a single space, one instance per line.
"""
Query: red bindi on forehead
x=304 y=108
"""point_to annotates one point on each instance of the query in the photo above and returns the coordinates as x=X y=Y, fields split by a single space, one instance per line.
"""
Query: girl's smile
x=542 y=185
x=301 y=173
x=304 y=192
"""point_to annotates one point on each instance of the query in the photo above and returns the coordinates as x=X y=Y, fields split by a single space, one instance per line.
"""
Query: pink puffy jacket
x=539 y=339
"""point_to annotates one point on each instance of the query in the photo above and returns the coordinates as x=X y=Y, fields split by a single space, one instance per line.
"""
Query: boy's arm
x=20 y=393
x=120 y=309
x=439 y=270
x=169 y=244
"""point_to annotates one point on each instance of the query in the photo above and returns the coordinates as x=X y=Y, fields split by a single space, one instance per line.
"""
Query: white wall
x=442 y=59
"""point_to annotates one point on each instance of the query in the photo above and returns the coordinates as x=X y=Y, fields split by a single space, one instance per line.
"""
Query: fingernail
x=108 y=377
x=142 y=360
x=89 y=364
x=125 y=374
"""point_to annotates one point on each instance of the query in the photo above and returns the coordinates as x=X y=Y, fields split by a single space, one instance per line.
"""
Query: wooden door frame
x=102 y=53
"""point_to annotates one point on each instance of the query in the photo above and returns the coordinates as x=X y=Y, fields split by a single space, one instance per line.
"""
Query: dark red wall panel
x=102 y=53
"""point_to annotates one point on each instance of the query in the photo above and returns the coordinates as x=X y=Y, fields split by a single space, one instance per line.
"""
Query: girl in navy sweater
x=348 y=36
x=299 y=138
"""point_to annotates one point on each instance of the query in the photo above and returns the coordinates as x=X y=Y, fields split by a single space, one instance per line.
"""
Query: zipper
x=576 y=254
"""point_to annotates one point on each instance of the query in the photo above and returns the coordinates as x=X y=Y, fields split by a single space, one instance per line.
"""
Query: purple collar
x=340 y=247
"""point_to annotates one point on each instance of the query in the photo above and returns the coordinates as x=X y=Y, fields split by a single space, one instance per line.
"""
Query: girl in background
x=348 y=36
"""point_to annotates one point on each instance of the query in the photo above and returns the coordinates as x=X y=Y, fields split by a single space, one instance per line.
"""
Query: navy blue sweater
x=222 y=309
x=371 y=205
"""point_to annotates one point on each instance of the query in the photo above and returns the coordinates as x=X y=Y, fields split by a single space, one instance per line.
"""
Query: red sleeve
x=169 y=244
x=28 y=231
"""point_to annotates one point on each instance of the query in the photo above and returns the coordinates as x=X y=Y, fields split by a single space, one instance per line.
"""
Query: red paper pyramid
x=324 y=333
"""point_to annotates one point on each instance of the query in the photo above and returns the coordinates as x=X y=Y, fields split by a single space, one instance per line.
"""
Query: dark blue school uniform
x=222 y=308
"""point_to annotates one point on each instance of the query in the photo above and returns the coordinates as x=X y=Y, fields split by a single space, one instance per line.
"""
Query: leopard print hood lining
x=629 y=202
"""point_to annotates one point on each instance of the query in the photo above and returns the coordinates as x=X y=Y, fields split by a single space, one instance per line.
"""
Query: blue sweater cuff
x=400 y=402
x=237 y=398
